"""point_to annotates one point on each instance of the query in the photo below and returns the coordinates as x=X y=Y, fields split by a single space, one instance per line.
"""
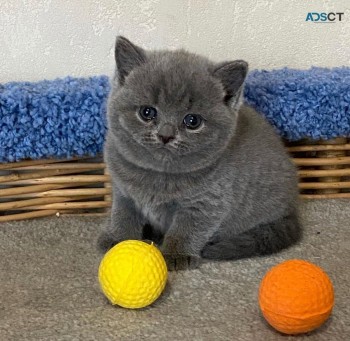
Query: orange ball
x=296 y=296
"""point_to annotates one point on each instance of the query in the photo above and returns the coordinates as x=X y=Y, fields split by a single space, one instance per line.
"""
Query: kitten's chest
x=159 y=214
x=157 y=197
x=151 y=188
x=157 y=207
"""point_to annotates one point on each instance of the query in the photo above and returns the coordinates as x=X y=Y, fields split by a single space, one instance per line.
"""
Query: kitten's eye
x=193 y=121
x=148 y=113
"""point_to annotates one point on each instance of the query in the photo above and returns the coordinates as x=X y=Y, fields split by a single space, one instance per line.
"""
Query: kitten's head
x=172 y=111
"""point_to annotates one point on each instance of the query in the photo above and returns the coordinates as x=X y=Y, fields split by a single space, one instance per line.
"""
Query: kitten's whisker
x=182 y=146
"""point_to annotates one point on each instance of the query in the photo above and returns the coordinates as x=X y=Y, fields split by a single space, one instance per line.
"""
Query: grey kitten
x=208 y=174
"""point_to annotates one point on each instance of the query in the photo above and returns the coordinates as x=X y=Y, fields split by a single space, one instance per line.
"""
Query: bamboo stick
x=42 y=174
x=75 y=192
x=27 y=215
x=68 y=205
x=90 y=166
x=7 y=192
x=42 y=161
x=14 y=205
x=100 y=192
x=322 y=161
x=63 y=179
x=314 y=148
x=64 y=192
x=29 y=189
x=315 y=173
x=317 y=185
x=326 y=196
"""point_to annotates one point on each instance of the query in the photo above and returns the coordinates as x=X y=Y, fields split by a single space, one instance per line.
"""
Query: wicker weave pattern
x=324 y=167
x=31 y=189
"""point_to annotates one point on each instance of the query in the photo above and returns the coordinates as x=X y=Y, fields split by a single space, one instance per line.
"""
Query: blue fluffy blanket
x=66 y=117
x=312 y=103
x=60 y=118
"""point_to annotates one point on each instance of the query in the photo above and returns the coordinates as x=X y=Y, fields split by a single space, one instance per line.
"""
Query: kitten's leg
x=152 y=234
x=125 y=222
x=260 y=240
x=186 y=237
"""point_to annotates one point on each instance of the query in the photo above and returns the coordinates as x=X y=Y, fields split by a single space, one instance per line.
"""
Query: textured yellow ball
x=133 y=274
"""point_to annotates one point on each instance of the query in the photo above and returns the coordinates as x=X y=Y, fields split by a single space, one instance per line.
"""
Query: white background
x=54 y=38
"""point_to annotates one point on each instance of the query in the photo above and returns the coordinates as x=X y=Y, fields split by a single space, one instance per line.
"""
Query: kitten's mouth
x=174 y=150
x=166 y=149
x=163 y=151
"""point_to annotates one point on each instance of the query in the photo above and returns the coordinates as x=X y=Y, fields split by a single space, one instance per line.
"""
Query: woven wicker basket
x=31 y=189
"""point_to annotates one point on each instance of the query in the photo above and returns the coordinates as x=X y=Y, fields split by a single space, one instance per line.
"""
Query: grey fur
x=225 y=191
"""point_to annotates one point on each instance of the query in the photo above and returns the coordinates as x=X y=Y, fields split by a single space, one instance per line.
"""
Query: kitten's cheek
x=133 y=128
x=123 y=123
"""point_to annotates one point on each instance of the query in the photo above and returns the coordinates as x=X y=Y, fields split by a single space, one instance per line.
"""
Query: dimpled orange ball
x=296 y=296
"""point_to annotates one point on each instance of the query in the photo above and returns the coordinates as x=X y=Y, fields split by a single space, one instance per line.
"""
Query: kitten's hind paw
x=181 y=262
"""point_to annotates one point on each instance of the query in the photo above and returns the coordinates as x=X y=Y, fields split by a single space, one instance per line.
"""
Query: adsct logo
x=324 y=18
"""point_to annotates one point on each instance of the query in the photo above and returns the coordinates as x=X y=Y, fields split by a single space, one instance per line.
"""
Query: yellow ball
x=133 y=274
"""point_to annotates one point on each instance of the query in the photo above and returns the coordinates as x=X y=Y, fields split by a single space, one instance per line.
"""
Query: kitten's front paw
x=106 y=241
x=181 y=262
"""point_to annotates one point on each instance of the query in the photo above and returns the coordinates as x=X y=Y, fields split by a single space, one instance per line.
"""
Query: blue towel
x=67 y=117
x=61 y=118
x=301 y=104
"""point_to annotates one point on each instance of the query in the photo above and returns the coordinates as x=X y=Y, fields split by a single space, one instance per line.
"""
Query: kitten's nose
x=166 y=133
x=166 y=139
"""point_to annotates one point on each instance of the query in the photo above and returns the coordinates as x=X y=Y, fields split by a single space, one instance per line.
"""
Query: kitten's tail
x=261 y=240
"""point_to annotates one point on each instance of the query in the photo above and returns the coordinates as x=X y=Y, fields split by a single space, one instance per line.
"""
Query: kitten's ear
x=232 y=76
x=127 y=56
